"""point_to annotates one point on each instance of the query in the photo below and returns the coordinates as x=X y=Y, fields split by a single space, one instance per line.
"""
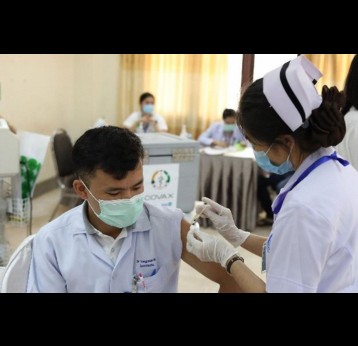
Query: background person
x=224 y=133
x=264 y=182
x=146 y=120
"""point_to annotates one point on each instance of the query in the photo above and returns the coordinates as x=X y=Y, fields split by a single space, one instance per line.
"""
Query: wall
x=42 y=92
x=266 y=62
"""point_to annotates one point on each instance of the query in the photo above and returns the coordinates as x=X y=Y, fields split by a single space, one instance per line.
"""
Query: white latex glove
x=223 y=221
x=208 y=248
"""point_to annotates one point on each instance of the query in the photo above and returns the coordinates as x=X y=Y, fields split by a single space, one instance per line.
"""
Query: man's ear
x=80 y=189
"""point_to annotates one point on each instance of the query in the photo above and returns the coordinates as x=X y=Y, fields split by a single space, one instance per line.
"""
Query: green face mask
x=229 y=127
x=119 y=212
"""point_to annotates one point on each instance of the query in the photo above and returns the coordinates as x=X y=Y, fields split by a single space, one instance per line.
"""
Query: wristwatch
x=231 y=261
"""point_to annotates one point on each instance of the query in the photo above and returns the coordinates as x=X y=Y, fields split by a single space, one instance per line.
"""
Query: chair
x=16 y=273
x=62 y=153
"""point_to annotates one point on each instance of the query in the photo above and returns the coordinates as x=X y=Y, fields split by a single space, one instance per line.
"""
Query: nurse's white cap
x=291 y=92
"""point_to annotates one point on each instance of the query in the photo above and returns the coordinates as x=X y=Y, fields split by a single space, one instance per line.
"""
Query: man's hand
x=219 y=143
x=223 y=221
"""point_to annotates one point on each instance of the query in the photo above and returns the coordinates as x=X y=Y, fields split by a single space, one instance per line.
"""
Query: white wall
x=267 y=62
x=263 y=64
x=40 y=93
x=234 y=80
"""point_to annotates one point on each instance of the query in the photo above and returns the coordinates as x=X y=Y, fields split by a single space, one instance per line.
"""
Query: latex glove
x=208 y=248
x=223 y=221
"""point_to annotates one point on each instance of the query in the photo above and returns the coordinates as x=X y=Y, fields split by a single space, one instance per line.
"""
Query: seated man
x=224 y=133
x=146 y=120
x=114 y=242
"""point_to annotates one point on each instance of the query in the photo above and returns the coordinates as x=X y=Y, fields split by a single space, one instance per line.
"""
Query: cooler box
x=171 y=170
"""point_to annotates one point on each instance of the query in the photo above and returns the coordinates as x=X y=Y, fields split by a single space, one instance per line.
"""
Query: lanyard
x=314 y=165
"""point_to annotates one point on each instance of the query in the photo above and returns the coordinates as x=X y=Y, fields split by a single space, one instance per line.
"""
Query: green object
x=30 y=169
x=229 y=127
x=239 y=146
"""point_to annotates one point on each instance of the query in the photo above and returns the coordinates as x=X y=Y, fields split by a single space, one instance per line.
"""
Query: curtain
x=334 y=68
x=189 y=89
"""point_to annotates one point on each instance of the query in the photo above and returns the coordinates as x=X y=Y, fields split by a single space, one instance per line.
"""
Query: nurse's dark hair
x=112 y=149
x=145 y=96
x=351 y=86
x=262 y=124
x=229 y=113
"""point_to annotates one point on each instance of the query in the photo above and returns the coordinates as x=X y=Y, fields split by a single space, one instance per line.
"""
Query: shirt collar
x=88 y=226
x=305 y=164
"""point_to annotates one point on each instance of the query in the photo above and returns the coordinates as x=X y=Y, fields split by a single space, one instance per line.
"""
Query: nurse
x=313 y=245
x=146 y=120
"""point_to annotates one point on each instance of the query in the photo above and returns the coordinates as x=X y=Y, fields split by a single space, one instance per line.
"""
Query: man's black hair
x=112 y=149
x=229 y=113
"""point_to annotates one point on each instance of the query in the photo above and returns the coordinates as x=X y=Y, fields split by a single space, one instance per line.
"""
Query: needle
x=196 y=217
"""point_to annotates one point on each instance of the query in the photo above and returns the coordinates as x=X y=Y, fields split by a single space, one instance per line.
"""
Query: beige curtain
x=189 y=89
x=334 y=68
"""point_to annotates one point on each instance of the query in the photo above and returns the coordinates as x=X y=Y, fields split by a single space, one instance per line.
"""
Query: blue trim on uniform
x=313 y=166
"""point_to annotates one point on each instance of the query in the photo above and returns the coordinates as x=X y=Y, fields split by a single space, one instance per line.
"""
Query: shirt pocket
x=154 y=283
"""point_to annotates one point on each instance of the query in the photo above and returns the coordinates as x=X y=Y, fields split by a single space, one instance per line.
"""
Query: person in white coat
x=146 y=120
x=224 y=133
x=114 y=242
x=313 y=245
x=348 y=148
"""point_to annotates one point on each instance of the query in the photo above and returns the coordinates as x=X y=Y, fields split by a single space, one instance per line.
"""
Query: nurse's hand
x=223 y=221
x=208 y=248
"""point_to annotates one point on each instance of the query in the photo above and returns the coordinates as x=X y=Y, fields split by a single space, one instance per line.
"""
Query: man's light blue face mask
x=229 y=127
x=264 y=162
x=119 y=212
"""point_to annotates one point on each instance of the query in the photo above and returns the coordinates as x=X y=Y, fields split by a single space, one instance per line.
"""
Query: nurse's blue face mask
x=264 y=162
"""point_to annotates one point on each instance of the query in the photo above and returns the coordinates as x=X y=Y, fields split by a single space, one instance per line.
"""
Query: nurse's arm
x=246 y=279
x=211 y=270
x=254 y=244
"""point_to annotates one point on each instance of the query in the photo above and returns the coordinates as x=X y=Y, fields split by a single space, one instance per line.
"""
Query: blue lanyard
x=281 y=197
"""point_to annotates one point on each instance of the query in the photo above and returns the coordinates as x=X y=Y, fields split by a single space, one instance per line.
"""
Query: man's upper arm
x=211 y=270
x=206 y=137
x=44 y=273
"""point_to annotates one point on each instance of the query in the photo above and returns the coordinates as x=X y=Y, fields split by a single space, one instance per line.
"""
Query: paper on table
x=246 y=153
x=214 y=151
